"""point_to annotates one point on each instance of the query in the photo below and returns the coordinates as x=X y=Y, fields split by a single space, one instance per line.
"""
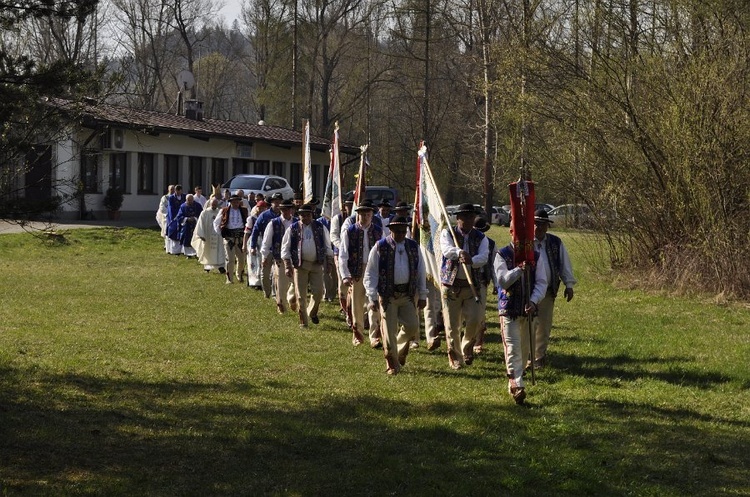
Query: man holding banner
x=464 y=249
x=515 y=313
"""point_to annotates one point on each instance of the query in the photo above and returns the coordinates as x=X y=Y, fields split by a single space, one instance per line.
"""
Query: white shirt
x=345 y=250
x=566 y=268
x=200 y=199
x=266 y=246
x=286 y=244
x=450 y=251
x=234 y=222
x=400 y=272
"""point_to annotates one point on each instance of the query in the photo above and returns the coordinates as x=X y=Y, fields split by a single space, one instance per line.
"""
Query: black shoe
x=222 y=270
x=315 y=319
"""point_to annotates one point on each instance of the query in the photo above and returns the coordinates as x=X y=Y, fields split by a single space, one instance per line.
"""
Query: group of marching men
x=381 y=273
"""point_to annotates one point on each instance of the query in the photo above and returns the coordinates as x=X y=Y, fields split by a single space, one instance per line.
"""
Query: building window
x=90 y=172
x=171 y=169
x=278 y=169
x=118 y=172
x=295 y=175
x=261 y=167
x=195 y=173
x=241 y=166
x=146 y=174
x=217 y=171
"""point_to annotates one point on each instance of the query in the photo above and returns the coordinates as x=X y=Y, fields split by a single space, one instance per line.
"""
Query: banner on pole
x=332 y=199
x=307 y=190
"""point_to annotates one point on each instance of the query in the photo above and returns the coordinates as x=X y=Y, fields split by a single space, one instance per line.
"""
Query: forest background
x=638 y=108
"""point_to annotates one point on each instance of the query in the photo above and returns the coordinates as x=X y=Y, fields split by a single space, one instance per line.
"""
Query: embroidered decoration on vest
x=357 y=257
x=296 y=242
x=510 y=301
x=387 y=261
x=449 y=268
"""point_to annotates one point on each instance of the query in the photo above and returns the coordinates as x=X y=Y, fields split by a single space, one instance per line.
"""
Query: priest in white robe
x=207 y=243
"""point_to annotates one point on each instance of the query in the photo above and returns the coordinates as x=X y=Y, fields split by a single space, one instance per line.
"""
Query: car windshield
x=255 y=184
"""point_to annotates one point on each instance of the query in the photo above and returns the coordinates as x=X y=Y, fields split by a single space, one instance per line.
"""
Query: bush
x=113 y=199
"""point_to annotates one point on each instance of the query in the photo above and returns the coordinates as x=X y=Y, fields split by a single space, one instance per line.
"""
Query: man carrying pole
x=524 y=283
x=465 y=252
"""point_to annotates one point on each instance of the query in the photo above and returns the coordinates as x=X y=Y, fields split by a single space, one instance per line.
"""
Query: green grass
x=124 y=371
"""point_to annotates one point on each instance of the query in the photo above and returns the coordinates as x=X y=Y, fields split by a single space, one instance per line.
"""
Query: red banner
x=522 y=219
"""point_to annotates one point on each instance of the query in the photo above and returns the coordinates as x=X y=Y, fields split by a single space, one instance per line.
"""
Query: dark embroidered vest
x=357 y=259
x=510 y=301
x=296 y=242
x=225 y=220
x=387 y=261
x=488 y=269
x=553 y=257
x=277 y=224
x=449 y=268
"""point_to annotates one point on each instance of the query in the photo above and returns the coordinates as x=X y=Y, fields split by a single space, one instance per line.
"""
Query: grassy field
x=124 y=371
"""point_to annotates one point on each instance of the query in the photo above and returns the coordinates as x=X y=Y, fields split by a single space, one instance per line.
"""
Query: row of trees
x=638 y=108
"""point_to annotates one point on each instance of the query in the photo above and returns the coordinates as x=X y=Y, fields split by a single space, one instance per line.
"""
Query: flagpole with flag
x=436 y=208
x=307 y=189
x=332 y=198
x=359 y=190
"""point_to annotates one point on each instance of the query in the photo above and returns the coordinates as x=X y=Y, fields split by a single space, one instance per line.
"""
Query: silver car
x=259 y=183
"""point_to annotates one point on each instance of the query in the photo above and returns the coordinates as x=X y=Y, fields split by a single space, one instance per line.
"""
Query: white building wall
x=142 y=206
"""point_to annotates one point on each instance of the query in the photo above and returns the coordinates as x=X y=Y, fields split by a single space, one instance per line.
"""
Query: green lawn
x=124 y=371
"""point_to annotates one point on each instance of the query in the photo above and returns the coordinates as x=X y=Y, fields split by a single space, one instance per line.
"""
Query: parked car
x=500 y=216
x=546 y=207
x=572 y=216
x=259 y=183
x=379 y=193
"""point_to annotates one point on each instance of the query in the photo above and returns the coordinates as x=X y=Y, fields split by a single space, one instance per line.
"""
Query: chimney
x=194 y=110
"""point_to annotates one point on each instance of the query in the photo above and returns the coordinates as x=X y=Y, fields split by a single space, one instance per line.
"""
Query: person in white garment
x=270 y=248
x=305 y=249
x=161 y=215
x=395 y=284
x=206 y=241
x=231 y=226
x=515 y=313
x=198 y=196
x=558 y=269
x=356 y=242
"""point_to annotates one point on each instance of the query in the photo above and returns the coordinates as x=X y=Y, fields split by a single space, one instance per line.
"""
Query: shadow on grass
x=625 y=368
x=82 y=435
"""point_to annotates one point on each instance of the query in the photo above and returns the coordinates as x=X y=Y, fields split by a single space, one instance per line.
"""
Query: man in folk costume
x=187 y=218
x=271 y=248
x=161 y=215
x=330 y=278
x=356 y=242
x=305 y=249
x=336 y=223
x=514 y=315
x=207 y=243
x=384 y=213
x=257 y=236
x=488 y=276
x=395 y=281
x=558 y=268
x=231 y=226
x=174 y=202
x=253 y=263
x=469 y=249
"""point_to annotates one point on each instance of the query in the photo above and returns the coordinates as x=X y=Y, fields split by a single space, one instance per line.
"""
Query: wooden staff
x=453 y=234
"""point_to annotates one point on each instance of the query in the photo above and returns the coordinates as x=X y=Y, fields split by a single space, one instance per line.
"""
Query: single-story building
x=142 y=152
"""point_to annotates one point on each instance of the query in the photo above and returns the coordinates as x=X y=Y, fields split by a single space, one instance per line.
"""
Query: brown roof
x=95 y=115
